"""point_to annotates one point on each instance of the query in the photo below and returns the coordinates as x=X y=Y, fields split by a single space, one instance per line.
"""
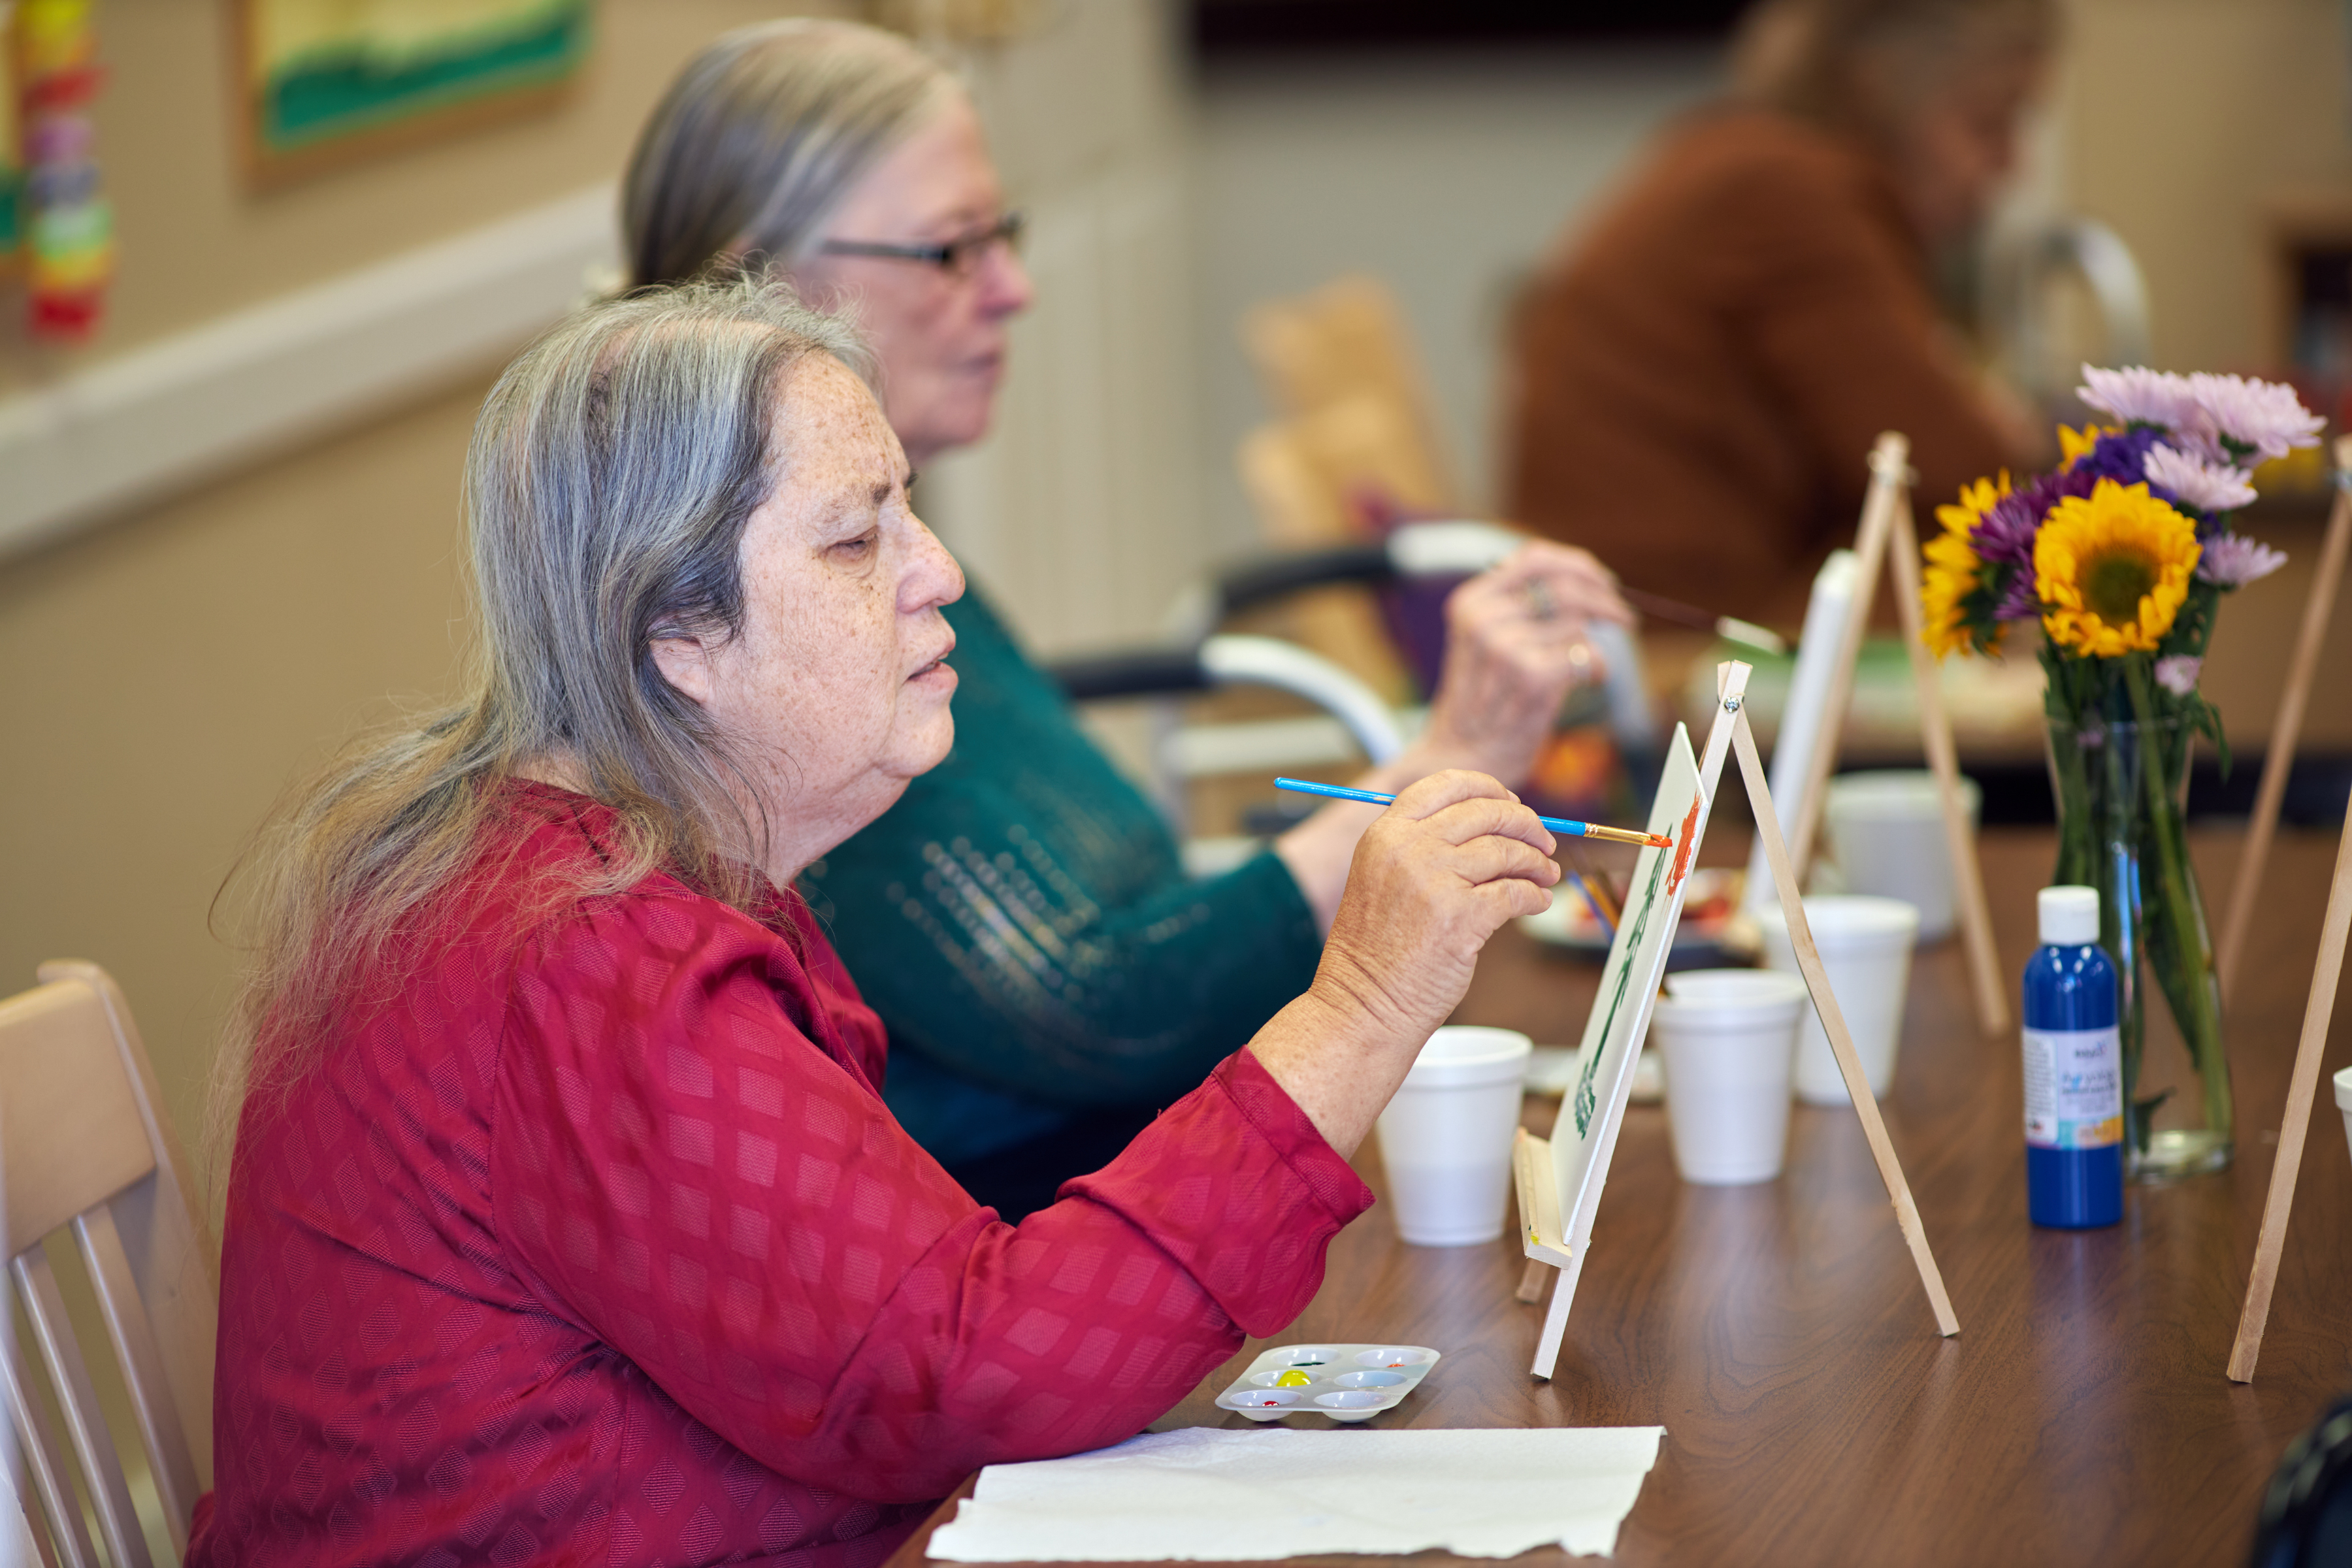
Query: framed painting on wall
x=323 y=83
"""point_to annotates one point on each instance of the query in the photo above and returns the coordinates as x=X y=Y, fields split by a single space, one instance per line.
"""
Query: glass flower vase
x=2121 y=790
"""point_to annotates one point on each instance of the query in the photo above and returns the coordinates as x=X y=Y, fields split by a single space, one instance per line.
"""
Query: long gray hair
x=761 y=135
x=613 y=469
x=1849 y=64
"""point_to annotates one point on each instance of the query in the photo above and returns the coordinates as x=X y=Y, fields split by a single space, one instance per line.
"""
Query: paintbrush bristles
x=1627 y=836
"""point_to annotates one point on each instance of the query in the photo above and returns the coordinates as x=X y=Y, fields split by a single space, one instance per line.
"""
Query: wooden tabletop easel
x=1560 y=1240
x=2303 y=1088
x=1885 y=541
x=2288 y=727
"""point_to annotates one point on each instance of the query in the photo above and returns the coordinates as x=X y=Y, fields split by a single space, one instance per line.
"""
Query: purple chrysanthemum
x=2122 y=456
x=2004 y=534
x=2003 y=537
x=2018 y=601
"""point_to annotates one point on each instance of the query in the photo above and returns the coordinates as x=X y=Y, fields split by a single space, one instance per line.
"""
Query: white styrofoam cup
x=1728 y=1037
x=1865 y=945
x=2343 y=1100
x=1887 y=829
x=1446 y=1138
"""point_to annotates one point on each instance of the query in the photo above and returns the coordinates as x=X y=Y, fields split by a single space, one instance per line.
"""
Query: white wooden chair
x=85 y=1148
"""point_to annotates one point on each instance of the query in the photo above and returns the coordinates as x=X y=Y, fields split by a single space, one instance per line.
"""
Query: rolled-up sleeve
x=698 y=1171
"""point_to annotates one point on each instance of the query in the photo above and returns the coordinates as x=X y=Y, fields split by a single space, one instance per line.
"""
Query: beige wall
x=167 y=672
x=196 y=243
x=181 y=663
x=2183 y=123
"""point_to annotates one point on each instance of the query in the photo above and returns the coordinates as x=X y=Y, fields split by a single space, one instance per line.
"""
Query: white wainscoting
x=143 y=425
x=1080 y=514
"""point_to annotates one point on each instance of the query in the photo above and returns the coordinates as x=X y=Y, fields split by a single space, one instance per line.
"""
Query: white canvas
x=1594 y=1107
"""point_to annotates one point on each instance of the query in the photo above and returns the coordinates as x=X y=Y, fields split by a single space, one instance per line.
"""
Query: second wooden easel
x=2301 y=669
x=1885 y=541
x=2303 y=1088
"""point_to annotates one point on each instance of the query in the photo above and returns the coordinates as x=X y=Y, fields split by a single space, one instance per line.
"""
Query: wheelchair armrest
x=1254 y=581
x=1130 y=672
x=1441 y=549
x=1235 y=661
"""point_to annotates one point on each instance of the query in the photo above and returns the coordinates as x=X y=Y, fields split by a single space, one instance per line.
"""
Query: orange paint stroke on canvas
x=1684 y=841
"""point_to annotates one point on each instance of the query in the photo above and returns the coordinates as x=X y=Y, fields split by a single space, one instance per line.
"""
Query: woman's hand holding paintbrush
x=1514 y=647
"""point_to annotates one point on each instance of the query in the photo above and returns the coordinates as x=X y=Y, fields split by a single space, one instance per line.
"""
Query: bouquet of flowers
x=2124 y=555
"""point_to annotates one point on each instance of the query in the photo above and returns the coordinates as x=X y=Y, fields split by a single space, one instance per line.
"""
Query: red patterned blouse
x=596 y=1246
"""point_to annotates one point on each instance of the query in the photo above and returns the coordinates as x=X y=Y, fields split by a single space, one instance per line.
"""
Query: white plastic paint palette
x=1346 y=1383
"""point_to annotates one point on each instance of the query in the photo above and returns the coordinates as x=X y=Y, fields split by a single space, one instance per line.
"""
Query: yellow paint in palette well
x=1293 y=1379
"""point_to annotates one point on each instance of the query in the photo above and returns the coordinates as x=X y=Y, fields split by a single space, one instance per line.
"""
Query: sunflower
x=1954 y=573
x=2112 y=569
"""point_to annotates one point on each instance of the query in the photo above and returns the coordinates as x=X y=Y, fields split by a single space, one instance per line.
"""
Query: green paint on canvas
x=1586 y=1101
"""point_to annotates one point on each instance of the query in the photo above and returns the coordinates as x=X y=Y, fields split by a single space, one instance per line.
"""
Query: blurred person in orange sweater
x=1700 y=372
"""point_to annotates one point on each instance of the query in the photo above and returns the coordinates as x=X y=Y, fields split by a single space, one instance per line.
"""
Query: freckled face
x=834 y=694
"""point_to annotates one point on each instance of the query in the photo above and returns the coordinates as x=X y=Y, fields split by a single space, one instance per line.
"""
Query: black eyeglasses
x=958 y=256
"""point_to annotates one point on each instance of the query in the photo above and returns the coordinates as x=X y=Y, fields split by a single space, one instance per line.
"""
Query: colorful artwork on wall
x=12 y=147
x=61 y=210
x=329 y=80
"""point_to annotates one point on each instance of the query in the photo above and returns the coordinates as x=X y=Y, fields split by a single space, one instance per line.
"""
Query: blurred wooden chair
x=1356 y=440
x=1312 y=480
x=1347 y=342
x=85 y=1147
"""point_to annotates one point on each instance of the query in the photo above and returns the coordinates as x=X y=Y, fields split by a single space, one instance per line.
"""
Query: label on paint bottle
x=2074 y=1088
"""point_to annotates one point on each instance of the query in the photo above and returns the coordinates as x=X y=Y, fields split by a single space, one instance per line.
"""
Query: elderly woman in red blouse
x=566 y=1221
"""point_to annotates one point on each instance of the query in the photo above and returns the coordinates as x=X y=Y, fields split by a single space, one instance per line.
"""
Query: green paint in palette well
x=330 y=96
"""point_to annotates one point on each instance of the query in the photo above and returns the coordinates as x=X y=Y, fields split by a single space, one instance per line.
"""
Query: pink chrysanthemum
x=2232 y=561
x=2177 y=673
x=2232 y=420
x=2208 y=487
x=2137 y=395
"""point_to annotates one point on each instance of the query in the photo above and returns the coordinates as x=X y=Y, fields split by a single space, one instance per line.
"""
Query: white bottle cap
x=2070 y=916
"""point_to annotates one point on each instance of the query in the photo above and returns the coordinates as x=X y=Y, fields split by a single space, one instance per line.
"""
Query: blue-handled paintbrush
x=1557 y=824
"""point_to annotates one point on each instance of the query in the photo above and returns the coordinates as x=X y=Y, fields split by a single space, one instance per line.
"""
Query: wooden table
x=1779 y=1333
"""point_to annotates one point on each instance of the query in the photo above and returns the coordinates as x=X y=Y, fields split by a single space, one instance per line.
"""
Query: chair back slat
x=93 y=1447
x=26 y=1541
x=71 y=1131
x=36 y=1447
x=133 y=1337
x=165 y=1231
x=85 y=1146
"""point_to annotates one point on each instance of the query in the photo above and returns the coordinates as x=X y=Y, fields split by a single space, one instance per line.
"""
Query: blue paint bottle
x=2073 y=1070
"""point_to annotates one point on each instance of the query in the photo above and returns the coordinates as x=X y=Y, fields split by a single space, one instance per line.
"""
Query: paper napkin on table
x=1213 y=1495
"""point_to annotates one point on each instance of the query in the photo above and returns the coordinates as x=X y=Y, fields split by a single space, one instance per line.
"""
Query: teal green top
x=1022 y=923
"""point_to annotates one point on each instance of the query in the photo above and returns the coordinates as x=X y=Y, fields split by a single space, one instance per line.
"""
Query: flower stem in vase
x=2178 y=948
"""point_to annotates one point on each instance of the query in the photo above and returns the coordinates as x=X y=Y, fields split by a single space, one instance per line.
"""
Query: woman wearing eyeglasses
x=1021 y=919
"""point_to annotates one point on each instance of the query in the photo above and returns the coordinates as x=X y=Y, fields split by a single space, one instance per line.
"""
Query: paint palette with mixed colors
x=1346 y=1383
